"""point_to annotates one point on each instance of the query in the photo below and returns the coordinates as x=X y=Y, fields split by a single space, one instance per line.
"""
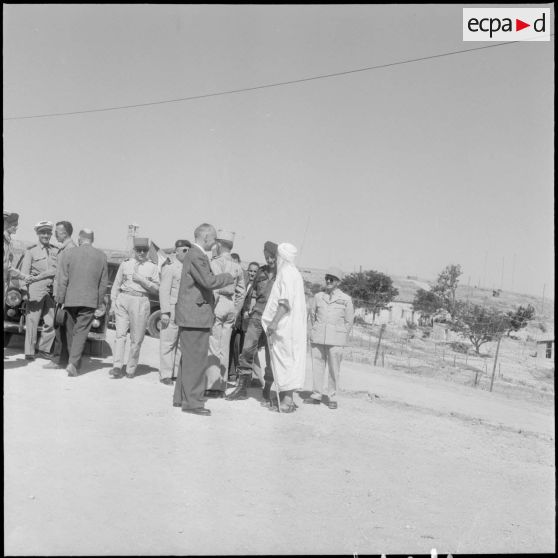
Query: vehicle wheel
x=154 y=324
x=7 y=337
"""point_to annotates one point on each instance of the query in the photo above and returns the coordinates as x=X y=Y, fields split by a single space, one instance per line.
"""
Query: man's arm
x=63 y=277
x=349 y=315
x=202 y=275
x=165 y=289
x=103 y=283
x=116 y=285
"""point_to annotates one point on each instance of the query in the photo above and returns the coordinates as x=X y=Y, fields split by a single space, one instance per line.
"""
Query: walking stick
x=270 y=343
x=174 y=357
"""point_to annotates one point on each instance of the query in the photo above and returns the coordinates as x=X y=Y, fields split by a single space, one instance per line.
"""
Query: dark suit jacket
x=83 y=277
x=194 y=307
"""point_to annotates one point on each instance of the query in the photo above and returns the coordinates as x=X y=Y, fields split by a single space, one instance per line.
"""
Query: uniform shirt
x=225 y=264
x=170 y=283
x=67 y=245
x=331 y=318
x=124 y=282
x=263 y=283
x=40 y=260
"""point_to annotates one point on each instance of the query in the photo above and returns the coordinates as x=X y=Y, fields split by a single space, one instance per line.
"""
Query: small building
x=545 y=348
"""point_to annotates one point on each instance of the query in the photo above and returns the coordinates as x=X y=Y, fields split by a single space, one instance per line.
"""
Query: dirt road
x=101 y=466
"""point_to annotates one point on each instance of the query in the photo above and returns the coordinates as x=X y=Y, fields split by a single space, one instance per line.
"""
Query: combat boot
x=241 y=390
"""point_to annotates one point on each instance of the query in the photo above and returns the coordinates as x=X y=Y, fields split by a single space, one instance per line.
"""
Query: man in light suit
x=168 y=294
x=82 y=286
x=195 y=317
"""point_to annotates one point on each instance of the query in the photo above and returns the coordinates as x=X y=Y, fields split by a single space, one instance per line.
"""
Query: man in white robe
x=284 y=321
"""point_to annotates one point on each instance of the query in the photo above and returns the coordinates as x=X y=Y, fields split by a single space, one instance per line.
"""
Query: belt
x=228 y=295
x=133 y=293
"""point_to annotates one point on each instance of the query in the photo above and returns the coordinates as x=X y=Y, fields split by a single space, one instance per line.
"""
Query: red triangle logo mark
x=519 y=25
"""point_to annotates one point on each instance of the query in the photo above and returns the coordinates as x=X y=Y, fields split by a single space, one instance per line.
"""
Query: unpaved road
x=101 y=466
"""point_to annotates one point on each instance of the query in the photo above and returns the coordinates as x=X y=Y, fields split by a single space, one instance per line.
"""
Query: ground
x=405 y=464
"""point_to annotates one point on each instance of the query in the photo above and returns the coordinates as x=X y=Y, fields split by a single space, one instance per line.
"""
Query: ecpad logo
x=506 y=24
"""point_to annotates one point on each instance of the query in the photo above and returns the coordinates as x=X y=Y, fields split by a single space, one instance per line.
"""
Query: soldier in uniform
x=39 y=265
x=227 y=301
x=135 y=279
x=255 y=336
x=11 y=221
x=168 y=295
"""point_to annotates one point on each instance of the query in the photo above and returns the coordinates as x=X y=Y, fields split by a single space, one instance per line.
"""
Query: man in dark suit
x=194 y=315
x=82 y=286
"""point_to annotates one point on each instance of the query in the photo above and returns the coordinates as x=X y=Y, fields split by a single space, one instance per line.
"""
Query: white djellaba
x=288 y=344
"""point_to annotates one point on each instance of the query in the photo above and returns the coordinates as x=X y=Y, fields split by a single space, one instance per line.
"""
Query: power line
x=265 y=86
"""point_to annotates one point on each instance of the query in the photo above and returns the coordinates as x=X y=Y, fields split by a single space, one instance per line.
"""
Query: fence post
x=495 y=360
x=383 y=356
x=379 y=343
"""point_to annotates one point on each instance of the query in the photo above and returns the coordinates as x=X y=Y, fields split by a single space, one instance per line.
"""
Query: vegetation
x=519 y=318
x=372 y=290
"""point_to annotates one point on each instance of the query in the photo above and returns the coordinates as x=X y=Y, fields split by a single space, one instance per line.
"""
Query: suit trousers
x=320 y=354
x=190 y=382
x=35 y=309
x=131 y=313
x=219 y=344
x=254 y=339
x=61 y=353
x=78 y=324
x=169 y=350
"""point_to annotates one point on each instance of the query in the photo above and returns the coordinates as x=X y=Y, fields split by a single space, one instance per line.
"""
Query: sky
x=403 y=169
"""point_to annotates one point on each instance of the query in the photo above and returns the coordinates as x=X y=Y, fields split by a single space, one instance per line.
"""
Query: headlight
x=13 y=298
x=95 y=323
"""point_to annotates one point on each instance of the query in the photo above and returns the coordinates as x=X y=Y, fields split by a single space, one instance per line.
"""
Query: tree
x=446 y=286
x=372 y=290
x=480 y=324
x=427 y=303
x=519 y=318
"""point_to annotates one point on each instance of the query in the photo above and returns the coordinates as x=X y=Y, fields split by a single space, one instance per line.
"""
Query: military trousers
x=254 y=339
x=219 y=344
x=332 y=354
x=77 y=325
x=191 y=380
x=169 y=350
x=37 y=309
x=131 y=314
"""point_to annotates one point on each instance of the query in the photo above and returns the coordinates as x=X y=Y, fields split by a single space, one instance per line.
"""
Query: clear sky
x=403 y=169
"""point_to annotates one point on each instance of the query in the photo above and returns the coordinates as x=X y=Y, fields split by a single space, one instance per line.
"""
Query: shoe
x=130 y=376
x=55 y=366
x=43 y=354
x=202 y=411
x=214 y=393
x=332 y=404
x=166 y=381
x=311 y=401
x=72 y=371
x=177 y=404
x=117 y=373
x=285 y=408
x=30 y=357
x=241 y=390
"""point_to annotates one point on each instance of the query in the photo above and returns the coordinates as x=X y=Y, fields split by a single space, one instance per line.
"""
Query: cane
x=174 y=358
x=270 y=343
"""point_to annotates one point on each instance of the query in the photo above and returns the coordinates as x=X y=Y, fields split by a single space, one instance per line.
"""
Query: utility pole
x=495 y=361
x=542 y=303
x=513 y=273
x=484 y=272
x=502 y=276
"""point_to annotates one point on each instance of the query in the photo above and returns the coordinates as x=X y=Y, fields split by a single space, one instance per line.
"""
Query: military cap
x=183 y=243
x=141 y=242
x=44 y=225
x=335 y=272
x=225 y=235
x=11 y=218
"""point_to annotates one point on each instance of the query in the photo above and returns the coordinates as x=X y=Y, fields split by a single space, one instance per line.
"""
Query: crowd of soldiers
x=215 y=316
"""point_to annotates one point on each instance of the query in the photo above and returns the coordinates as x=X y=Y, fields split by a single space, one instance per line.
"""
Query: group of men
x=66 y=287
x=215 y=317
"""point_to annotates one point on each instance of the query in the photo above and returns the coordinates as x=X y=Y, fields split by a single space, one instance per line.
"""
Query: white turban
x=287 y=251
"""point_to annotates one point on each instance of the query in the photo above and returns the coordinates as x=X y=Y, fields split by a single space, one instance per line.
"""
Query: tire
x=154 y=324
x=7 y=337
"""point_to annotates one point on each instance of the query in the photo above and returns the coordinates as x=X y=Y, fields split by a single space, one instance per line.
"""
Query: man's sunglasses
x=184 y=249
x=142 y=250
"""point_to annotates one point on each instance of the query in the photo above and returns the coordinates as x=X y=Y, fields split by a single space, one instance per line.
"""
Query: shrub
x=459 y=347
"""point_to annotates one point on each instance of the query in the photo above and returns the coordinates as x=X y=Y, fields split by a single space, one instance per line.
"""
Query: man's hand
x=165 y=320
x=29 y=279
x=112 y=311
x=271 y=329
x=99 y=311
x=138 y=278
